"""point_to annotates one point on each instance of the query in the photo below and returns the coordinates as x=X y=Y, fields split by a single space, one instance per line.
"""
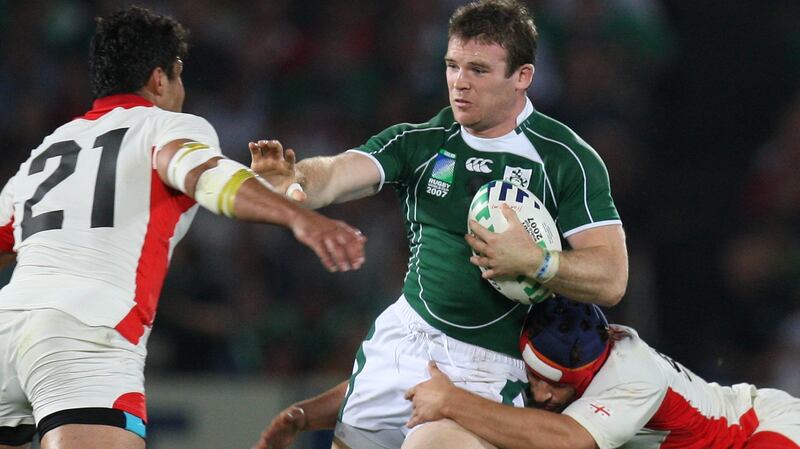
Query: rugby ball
x=485 y=209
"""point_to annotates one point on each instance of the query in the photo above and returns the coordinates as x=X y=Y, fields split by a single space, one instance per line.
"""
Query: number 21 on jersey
x=68 y=151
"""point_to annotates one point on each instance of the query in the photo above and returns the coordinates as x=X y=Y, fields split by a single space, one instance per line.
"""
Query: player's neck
x=514 y=117
x=147 y=95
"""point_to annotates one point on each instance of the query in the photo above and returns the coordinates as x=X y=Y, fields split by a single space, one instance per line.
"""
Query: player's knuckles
x=323 y=256
x=338 y=255
x=355 y=253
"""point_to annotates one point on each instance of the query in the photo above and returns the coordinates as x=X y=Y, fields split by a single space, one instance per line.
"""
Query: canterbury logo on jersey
x=479 y=165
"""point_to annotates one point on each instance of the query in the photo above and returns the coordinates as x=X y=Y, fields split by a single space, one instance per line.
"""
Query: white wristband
x=293 y=187
x=549 y=267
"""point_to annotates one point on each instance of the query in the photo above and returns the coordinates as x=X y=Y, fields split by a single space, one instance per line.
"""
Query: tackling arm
x=316 y=413
x=501 y=425
x=516 y=428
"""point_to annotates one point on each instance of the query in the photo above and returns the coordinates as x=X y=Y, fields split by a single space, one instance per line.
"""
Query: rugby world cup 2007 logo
x=441 y=179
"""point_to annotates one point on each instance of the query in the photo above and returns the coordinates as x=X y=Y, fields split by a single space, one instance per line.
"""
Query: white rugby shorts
x=51 y=362
x=394 y=357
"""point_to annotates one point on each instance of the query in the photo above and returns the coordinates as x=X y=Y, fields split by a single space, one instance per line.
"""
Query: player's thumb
x=295 y=192
x=509 y=213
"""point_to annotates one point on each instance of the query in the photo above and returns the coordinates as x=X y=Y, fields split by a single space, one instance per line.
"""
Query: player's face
x=550 y=396
x=484 y=100
x=174 y=93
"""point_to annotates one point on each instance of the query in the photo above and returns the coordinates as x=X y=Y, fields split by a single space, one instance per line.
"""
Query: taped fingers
x=295 y=192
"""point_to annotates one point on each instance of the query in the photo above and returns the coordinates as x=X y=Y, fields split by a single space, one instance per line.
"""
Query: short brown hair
x=503 y=22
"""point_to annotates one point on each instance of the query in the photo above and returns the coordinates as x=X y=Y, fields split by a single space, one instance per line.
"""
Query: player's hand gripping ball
x=485 y=209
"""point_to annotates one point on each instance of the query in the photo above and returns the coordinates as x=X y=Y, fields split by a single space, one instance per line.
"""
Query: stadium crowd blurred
x=694 y=106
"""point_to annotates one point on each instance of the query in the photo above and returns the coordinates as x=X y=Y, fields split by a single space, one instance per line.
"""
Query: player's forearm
x=336 y=179
x=594 y=275
x=255 y=202
x=596 y=269
x=516 y=428
x=321 y=411
x=315 y=175
x=222 y=185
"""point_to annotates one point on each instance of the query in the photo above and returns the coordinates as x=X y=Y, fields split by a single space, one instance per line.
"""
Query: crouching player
x=612 y=390
x=591 y=386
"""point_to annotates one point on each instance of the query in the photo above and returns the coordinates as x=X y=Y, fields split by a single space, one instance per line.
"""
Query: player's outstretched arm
x=229 y=188
x=595 y=269
x=499 y=424
x=325 y=180
x=316 y=413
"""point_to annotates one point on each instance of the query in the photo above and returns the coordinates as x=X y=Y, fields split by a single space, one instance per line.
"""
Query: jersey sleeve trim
x=596 y=224
x=375 y=161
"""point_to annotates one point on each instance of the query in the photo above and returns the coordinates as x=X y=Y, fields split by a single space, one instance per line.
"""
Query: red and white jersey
x=643 y=399
x=93 y=224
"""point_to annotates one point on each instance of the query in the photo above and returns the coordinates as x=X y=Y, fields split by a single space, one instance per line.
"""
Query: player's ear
x=157 y=81
x=524 y=76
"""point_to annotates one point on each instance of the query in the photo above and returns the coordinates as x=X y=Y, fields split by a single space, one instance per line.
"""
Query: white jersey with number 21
x=91 y=222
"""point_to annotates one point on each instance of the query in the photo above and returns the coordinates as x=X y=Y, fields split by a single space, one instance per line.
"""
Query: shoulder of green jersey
x=403 y=131
x=442 y=120
x=550 y=130
x=556 y=139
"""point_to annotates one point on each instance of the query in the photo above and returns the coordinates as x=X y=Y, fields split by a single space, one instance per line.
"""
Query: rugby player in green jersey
x=447 y=313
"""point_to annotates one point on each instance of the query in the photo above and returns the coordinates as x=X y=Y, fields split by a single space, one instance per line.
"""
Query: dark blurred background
x=694 y=106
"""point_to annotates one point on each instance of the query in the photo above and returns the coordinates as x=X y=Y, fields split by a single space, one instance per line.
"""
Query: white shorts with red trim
x=51 y=361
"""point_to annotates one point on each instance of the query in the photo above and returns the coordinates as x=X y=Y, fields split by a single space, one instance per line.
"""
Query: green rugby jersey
x=437 y=167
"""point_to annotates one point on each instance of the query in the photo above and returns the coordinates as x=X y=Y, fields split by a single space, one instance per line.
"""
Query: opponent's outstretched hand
x=283 y=430
x=339 y=246
x=277 y=166
x=509 y=253
x=429 y=397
